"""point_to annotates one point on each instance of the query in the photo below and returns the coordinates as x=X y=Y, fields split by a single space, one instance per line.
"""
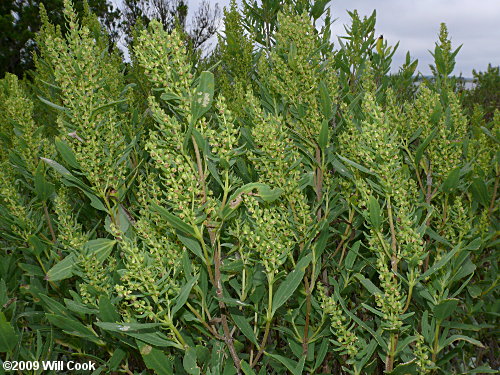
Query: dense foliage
x=301 y=212
x=20 y=21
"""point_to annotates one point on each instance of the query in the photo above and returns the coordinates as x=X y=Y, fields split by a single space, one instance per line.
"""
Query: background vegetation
x=281 y=206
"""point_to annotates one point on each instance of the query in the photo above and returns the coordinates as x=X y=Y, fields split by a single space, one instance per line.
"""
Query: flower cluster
x=267 y=233
x=223 y=140
x=422 y=352
x=70 y=232
x=346 y=337
x=97 y=278
x=163 y=57
x=88 y=85
x=294 y=71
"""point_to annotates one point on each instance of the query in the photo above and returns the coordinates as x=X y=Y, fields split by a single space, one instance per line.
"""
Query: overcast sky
x=415 y=24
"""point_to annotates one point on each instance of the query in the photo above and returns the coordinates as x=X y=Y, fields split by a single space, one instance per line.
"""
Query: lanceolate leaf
x=203 y=97
x=291 y=282
x=62 y=270
x=184 y=294
x=8 y=337
x=174 y=221
x=155 y=359
x=100 y=247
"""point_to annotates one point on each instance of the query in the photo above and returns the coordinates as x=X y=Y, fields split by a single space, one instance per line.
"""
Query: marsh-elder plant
x=304 y=213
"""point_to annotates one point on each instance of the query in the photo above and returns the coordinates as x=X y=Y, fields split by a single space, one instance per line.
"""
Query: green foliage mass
x=299 y=211
x=20 y=21
x=486 y=92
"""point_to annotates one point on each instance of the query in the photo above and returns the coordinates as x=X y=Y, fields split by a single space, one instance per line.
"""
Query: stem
x=389 y=365
x=177 y=334
x=269 y=318
x=416 y=169
x=227 y=332
x=394 y=259
x=201 y=177
x=436 y=342
x=207 y=326
x=408 y=300
x=305 y=339
x=226 y=190
x=494 y=197
x=49 y=223
x=262 y=344
x=428 y=198
x=319 y=180
x=205 y=254
x=445 y=210
x=243 y=284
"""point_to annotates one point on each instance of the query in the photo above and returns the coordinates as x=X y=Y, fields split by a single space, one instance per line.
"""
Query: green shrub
x=327 y=219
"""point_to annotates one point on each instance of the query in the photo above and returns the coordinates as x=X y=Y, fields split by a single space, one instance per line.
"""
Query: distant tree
x=486 y=91
x=20 y=21
x=172 y=14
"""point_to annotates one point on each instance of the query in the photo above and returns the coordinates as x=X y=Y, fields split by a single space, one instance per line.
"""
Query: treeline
x=279 y=206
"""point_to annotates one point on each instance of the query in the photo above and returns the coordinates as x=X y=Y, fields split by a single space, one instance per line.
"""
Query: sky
x=415 y=24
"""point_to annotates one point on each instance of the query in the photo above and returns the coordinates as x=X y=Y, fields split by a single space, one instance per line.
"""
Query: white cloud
x=415 y=24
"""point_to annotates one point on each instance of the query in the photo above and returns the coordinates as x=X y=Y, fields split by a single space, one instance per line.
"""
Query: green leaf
x=37 y=245
x=325 y=102
x=474 y=290
x=355 y=165
x=127 y=327
x=52 y=305
x=318 y=8
x=100 y=247
x=451 y=181
x=203 y=97
x=445 y=308
x=58 y=167
x=368 y=284
x=247 y=370
x=421 y=148
x=323 y=350
x=352 y=255
x=481 y=370
x=73 y=327
x=454 y=338
x=8 y=337
x=184 y=294
x=263 y=190
x=440 y=263
x=323 y=135
x=291 y=282
x=480 y=192
x=153 y=338
x=189 y=362
x=116 y=359
x=78 y=307
x=245 y=328
x=407 y=368
x=3 y=292
x=341 y=168
x=155 y=359
x=66 y=153
x=62 y=270
x=52 y=105
x=107 y=105
x=43 y=188
x=193 y=245
x=374 y=210
x=174 y=221
x=107 y=311
x=294 y=367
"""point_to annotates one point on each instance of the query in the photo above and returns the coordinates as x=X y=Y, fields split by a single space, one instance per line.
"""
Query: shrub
x=325 y=223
